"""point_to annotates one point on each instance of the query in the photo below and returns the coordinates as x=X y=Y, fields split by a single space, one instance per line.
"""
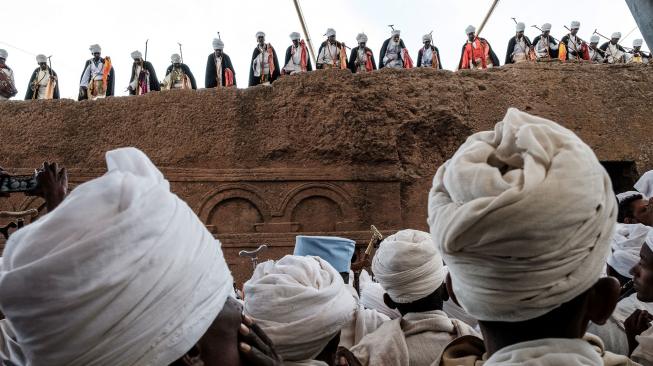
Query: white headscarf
x=41 y=59
x=295 y=36
x=645 y=184
x=372 y=296
x=175 y=58
x=95 y=48
x=217 y=44
x=470 y=29
x=361 y=37
x=137 y=55
x=626 y=244
x=546 y=27
x=300 y=302
x=616 y=35
x=122 y=272
x=523 y=217
x=408 y=266
x=520 y=27
x=330 y=32
x=638 y=42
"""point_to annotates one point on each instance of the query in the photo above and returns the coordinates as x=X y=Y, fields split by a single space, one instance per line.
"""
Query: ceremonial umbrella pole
x=487 y=17
x=306 y=35
x=181 y=54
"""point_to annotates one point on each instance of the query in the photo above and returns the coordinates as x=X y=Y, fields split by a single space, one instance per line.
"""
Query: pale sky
x=65 y=29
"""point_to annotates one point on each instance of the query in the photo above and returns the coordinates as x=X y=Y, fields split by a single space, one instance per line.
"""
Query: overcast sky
x=65 y=29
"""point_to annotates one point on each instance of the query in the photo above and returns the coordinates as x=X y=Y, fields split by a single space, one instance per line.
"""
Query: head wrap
x=470 y=29
x=361 y=37
x=523 y=217
x=575 y=25
x=595 y=38
x=337 y=251
x=546 y=27
x=295 y=36
x=408 y=266
x=623 y=195
x=520 y=27
x=645 y=184
x=137 y=55
x=371 y=296
x=218 y=44
x=300 y=302
x=123 y=272
x=95 y=48
x=626 y=243
x=3 y=53
x=330 y=32
x=260 y=34
x=175 y=58
x=616 y=35
x=396 y=32
x=41 y=58
x=427 y=37
x=638 y=42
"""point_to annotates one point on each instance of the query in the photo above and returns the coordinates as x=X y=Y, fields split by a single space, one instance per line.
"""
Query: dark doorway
x=623 y=174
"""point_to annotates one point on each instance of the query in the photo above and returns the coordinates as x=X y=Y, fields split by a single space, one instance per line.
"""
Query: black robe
x=385 y=47
x=493 y=56
x=552 y=53
x=110 y=83
x=154 y=82
x=289 y=55
x=210 y=81
x=253 y=80
x=354 y=54
x=421 y=52
x=186 y=71
x=338 y=46
x=30 y=93
x=604 y=47
x=570 y=51
x=511 y=48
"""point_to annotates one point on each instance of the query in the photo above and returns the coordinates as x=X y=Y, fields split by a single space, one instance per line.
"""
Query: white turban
x=546 y=27
x=371 y=296
x=638 y=42
x=41 y=58
x=95 y=48
x=3 y=53
x=137 y=55
x=626 y=244
x=330 y=32
x=260 y=34
x=523 y=217
x=396 y=32
x=122 y=273
x=408 y=266
x=427 y=37
x=361 y=37
x=218 y=44
x=175 y=58
x=300 y=302
x=616 y=35
x=470 y=29
x=645 y=184
x=575 y=25
x=520 y=27
x=595 y=38
x=295 y=36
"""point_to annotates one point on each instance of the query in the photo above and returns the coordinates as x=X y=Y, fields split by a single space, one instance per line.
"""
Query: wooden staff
x=300 y=15
x=487 y=17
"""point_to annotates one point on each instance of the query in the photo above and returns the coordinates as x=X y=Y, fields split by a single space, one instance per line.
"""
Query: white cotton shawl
x=122 y=272
x=372 y=296
x=300 y=302
x=626 y=244
x=645 y=184
x=408 y=266
x=523 y=217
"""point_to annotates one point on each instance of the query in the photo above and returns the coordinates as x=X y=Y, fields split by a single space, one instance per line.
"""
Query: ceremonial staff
x=306 y=35
x=487 y=17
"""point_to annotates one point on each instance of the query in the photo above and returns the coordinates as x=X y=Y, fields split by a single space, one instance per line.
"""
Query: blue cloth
x=337 y=251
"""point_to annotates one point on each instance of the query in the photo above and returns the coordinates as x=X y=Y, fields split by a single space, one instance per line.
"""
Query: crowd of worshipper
x=530 y=259
x=97 y=80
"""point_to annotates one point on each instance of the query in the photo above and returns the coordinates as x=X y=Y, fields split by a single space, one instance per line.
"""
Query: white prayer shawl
x=520 y=50
x=42 y=79
x=10 y=352
x=218 y=70
x=122 y=272
x=10 y=75
x=176 y=79
x=417 y=339
x=613 y=333
x=557 y=351
x=294 y=64
x=512 y=272
x=626 y=244
x=365 y=321
x=137 y=72
x=92 y=72
x=541 y=47
x=361 y=59
x=614 y=54
x=644 y=351
x=427 y=57
x=371 y=296
x=300 y=302
x=262 y=59
x=574 y=44
x=596 y=56
x=456 y=312
x=644 y=184
x=392 y=58
x=329 y=55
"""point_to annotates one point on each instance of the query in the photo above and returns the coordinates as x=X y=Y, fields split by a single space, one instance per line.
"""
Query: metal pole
x=306 y=35
x=487 y=16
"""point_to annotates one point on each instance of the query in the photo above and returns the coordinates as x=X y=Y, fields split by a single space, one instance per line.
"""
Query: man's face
x=96 y=55
x=361 y=44
x=427 y=44
x=637 y=48
x=642 y=212
x=43 y=65
x=295 y=42
x=395 y=38
x=614 y=41
x=520 y=34
x=643 y=275
x=137 y=60
x=471 y=36
x=218 y=53
x=260 y=40
x=546 y=33
x=594 y=44
x=332 y=39
x=176 y=64
x=574 y=31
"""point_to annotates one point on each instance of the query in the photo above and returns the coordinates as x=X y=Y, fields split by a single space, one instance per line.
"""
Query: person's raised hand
x=255 y=346
x=52 y=185
x=635 y=324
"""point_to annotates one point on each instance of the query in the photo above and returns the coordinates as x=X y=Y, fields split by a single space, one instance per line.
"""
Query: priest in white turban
x=220 y=71
x=613 y=52
x=7 y=82
x=43 y=82
x=523 y=217
x=394 y=53
x=143 y=78
x=297 y=57
x=519 y=46
x=546 y=47
x=361 y=58
x=410 y=270
x=332 y=53
x=97 y=80
x=477 y=52
x=302 y=303
x=574 y=45
x=178 y=75
x=122 y=272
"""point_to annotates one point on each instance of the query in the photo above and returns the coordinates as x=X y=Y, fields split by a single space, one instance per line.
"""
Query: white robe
x=42 y=79
x=392 y=56
x=329 y=55
x=541 y=47
x=262 y=60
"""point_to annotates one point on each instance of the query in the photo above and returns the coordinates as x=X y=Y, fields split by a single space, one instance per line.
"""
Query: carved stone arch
x=234 y=208
x=317 y=207
x=328 y=190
